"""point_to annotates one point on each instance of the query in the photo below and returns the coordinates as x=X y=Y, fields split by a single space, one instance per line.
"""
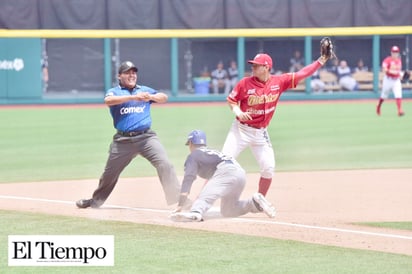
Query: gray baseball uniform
x=226 y=180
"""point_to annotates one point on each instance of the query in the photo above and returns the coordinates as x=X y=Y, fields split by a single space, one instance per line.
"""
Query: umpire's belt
x=132 y=133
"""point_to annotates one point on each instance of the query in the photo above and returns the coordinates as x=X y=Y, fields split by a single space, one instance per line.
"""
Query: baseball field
x=342 y=190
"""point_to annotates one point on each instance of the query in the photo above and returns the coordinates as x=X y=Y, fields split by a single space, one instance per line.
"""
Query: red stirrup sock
x=378 y=107
x=399 y=105
x=264 y=184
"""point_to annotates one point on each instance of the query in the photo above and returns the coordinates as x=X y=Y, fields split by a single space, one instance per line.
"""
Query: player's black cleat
x=84 y=203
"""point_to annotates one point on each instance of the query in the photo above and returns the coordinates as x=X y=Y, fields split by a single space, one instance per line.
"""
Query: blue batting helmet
x=197 y=137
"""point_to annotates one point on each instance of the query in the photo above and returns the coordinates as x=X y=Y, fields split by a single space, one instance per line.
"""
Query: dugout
x=82 y=68
x=173 y=43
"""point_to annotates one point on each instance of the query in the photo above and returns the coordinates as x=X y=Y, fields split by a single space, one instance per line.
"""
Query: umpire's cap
x=127 y=65
x=197 y=137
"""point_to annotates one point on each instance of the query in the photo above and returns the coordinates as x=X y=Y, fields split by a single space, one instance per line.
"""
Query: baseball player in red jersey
x=392 y=68
x=254 y=100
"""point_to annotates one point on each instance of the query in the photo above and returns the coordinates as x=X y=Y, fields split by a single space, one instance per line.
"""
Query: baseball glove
x=326 y=49
x=406 y=76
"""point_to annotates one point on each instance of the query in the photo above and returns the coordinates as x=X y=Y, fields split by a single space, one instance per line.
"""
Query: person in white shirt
x=220 y=79
x=344 y=73
x=233 y=74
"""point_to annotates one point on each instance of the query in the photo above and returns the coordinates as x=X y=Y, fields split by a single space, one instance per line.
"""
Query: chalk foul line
x=240 y=219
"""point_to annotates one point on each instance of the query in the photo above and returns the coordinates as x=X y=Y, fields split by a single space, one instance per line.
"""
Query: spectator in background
x=361 y=66
x=345 y=79
x=220 y=79
x=205 y=72
x=316 y=83
x=296 y=62
x=334 y=67
x=233 y=74
x=45 y=74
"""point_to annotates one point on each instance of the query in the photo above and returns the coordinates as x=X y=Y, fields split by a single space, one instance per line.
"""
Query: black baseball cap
x=127 y=65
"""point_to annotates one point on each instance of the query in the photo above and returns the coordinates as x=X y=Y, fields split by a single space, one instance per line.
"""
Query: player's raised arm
x=326 y=52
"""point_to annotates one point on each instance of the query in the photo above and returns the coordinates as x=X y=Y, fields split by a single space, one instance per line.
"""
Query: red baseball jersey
x=260 y=99
x=393 y=66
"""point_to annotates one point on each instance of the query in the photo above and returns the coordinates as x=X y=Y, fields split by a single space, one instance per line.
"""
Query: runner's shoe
x=264 y=205
x=186 y=217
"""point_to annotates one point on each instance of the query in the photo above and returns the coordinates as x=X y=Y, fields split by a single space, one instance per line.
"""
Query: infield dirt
x=320 y=207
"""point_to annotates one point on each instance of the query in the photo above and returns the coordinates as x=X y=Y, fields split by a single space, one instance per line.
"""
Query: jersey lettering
x=128 y=110
x=261 y=111
x=275 y=87
x=257 y=100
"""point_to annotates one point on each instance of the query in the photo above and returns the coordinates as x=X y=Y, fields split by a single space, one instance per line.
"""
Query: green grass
x=340 y=136
x=39 y=144
x=143 y=248
x=393 y=225
x=43 y=143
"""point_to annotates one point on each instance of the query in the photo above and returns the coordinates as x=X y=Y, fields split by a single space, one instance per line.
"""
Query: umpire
x=129 y=105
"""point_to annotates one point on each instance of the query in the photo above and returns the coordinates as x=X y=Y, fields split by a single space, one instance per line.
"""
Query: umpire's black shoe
x=84 y=203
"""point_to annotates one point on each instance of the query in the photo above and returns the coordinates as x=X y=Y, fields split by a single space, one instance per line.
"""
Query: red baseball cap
x=395 y=49
x=261 y=59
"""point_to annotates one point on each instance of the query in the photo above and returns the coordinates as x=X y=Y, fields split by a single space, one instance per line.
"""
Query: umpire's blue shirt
x=132 y=115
